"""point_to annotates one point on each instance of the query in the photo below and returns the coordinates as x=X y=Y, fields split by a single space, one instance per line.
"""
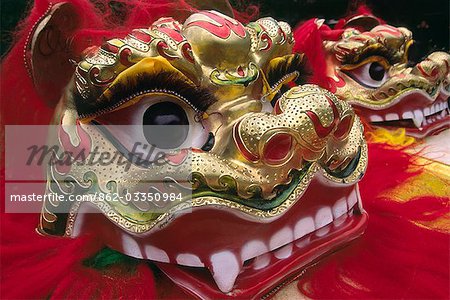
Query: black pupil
x=165 y=113
x=376 y=71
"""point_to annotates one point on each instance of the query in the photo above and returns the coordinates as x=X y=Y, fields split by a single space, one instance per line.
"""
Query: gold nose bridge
x=308 y=114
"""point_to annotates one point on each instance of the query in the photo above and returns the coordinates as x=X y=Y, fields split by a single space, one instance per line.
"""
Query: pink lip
x=254 y=282
x=206 y=236
x=430 y=129
x=177 y=158
x=419 y=114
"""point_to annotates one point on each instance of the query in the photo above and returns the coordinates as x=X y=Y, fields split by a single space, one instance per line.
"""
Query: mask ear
x=222 y=6
x=364 y=22
x=48 y=53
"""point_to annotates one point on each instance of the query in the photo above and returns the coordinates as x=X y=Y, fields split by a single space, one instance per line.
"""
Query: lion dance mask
x=365 y=62
x=262 y=190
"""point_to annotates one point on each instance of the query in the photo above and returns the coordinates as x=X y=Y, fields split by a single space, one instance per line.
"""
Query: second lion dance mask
x=365 y=62
x=259 y=190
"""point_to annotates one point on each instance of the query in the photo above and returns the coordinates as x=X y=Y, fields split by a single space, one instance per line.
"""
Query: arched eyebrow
x=367 y=51
x=383 y=42
x=198 y=98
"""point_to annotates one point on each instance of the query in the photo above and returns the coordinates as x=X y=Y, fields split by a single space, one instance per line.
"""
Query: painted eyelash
x=382 y=52
x=164 y=82
x=294 y=64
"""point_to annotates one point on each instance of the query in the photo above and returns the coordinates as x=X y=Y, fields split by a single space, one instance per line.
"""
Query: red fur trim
x=387 y=168
x=308 y=40
x=115 y=283
x=395 y=258
x=33 y=265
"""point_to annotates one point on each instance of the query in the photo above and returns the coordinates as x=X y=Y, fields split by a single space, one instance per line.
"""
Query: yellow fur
x=396 y=138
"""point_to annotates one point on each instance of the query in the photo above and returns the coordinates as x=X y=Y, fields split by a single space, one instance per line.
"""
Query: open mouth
x=231 y=240
x=264 y=274
x=418 y=122
x=241 y=250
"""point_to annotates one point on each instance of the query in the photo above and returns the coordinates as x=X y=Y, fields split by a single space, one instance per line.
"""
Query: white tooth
x=303 y=227
x=303 y=242
x=391 y=117
x=439 y=117
x=339 y=208
x=322 y=231
x=418 y=118
x=426 y=111
x=323 y=217
x=441 y=106
x=188 y=259
x=319 y=22
x=434 y=108
x=157 y=254
x=358 y=198
x=130 y=246
x=284 y=252
x=352 y=199
x=225 y=269
x=261 y=261
x=252 y=249
x=407 y=115
x=281 y=238
x=443 y=113
x=375 y=118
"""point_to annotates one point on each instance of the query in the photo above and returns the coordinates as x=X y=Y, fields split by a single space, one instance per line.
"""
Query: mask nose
x=306 y=122
x=278 y=149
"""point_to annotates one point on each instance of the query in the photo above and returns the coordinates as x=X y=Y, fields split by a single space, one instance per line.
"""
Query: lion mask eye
x=371 y=74
x=154 y=125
